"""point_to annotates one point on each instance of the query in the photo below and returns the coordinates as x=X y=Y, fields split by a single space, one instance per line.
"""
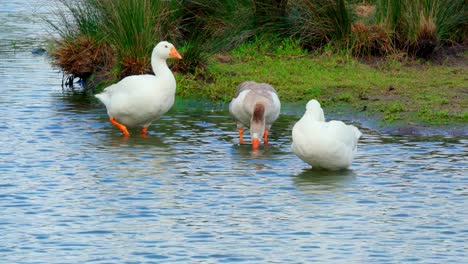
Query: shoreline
x=374 y=122
x=408 y=97
x=398 y=128
x=414 y=129
x=347 y=115
x=395 y=105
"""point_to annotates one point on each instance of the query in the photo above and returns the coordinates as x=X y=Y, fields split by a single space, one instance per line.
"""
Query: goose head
x=165 y=50
x=314 y=111
x=257 y=124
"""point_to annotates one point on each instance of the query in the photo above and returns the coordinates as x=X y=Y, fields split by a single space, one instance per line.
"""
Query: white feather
x=138 y=100
x=327 y=145
x=249 y=94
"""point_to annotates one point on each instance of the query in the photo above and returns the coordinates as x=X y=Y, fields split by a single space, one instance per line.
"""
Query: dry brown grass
x=426 y=39
x=132 y=66
x=427 y=28
x=364 y=11
x=82 y=56
x=370 y=40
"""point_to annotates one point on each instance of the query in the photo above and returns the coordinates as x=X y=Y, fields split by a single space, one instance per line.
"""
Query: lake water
x=72 y=190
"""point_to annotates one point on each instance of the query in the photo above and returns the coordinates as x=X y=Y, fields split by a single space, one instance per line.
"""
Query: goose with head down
x=138 y=100
x=324 y=145
x=255 y=106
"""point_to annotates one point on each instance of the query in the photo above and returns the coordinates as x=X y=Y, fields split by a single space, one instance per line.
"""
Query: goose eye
x=165 y=46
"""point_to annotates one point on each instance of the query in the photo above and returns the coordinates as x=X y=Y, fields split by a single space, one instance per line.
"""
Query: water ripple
x=74 y=191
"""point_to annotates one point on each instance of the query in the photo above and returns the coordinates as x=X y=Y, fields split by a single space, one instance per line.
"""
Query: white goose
x=326 y=145
x=139 y=100
x=255 y=106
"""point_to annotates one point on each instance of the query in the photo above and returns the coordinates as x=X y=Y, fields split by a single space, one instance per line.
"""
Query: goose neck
x=159 y=66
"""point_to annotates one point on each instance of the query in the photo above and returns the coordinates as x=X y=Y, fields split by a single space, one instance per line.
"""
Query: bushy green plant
x=128 y=30
x=389 y=13
x=79 y=18
x=225 y=22
x=81 y=49
x=317 y=22
x=369 y=40
x=450 y=18
x=420 y=25
x=133 y=27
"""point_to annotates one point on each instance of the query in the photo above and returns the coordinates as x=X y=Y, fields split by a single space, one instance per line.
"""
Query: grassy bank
x=305 y=48
x=394 y=91
x=112 y=39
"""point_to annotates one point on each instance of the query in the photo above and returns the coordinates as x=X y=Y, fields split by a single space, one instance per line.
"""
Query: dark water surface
x=72 y=190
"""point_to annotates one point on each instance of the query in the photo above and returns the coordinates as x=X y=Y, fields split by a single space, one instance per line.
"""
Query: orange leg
x=241 y=132
x=144 y=131
x=265 y=137
x=121 y=127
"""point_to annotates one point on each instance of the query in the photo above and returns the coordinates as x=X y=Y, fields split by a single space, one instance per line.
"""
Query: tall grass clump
x=229 y=23
x=270 y=16
x=211 y=26
x=389 y=13
x=441 y=20
x=133 y=27
x=317 y=22
x=80 y=48
x=367 y=37
x=418 y=26
x=451 y=19
x=110 y=39
x=369 y=40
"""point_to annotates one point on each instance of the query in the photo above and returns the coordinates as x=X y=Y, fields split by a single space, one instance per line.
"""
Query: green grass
x=127 y=30
x=412 y=20
x=77 y=19
x=396 y=92
x=131 y=27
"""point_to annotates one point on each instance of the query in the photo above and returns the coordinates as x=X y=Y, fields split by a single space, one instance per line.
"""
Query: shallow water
x=73 y=190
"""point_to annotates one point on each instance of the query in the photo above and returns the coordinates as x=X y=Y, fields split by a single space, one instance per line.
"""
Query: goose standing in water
x=139 y=100
x=255 y=106
x=324 y=145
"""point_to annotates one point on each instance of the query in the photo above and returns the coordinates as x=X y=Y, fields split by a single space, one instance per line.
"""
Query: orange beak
x=174 y=53
x=255 y=143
